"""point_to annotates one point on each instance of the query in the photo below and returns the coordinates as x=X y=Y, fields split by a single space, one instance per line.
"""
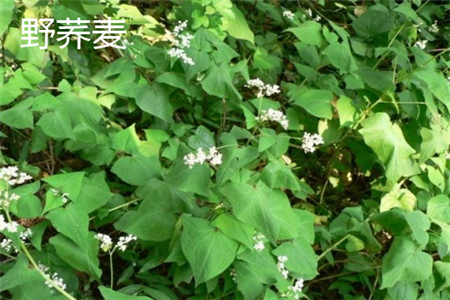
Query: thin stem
x=332 y=247
x=111 y=272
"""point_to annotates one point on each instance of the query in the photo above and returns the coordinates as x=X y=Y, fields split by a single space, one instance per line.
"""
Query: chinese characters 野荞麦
x=109 y=31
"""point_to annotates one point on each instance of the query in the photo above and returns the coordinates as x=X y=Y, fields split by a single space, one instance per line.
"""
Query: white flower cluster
x=26 y=234
x=295 y=290
x=57 y=193
x=310 y=141
x=9 y=226
x=274 y=115
x=281 y=267
x=233 y=274
x=180 y=42
x=53 y=277
x=259 y=242
x=12 y=175
x=434 y=28
x=310 y=14
x=7 y=245
x=421 y=44
x=6 y=198
x=214 y=157
x=288 y=14
x=107 y=243
x=263 y=89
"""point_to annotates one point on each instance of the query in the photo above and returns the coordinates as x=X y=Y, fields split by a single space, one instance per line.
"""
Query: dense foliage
x=232 y=150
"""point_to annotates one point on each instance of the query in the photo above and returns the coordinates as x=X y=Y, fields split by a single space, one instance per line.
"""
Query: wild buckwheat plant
x=181 y=41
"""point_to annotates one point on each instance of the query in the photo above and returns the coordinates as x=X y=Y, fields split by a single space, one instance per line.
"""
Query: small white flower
x=9 y=226
x=421 y=44
x=447 y=155
x=6 y=199
x=273 y=115
x=26 y=234
x=54 y=277
x=281 y=267
x=12 y=176
x=214 y=157
x=263 y=89
x=106 y=242
x=8 y=245
x=233 y=274
x=124 y=240
x=180 y=42
x=310 y=141
x=259 y=242
x=434 y=28
x=288 y=14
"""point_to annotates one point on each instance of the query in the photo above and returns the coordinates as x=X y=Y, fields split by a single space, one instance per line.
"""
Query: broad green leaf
x=406 y=9
x=346 y=111
x=237 y=26
x=109 y=294
x=305 y=225
x=340 y=56
x=218 y=82
x=94 y=194
x=404 y=290
x=6 y=15
x=19 y=274
x=437 y=84
x=56 y=124
x=373 y=22
x=278 y=175
x=435 y=176
x=268 y=139
x=387 y=141
x=17 y=117
x=81 y=257
x=316 y=102
x=33 y=55
x=154 y=99
x=196 y=180
x=393 y=220
x=203 y=138
x=154 y=219
x=309 y=33
x=234 y=229
x=69 y=183
x=443 y=275
x=253 y=271
x=267 y=210
x=52 y=201
x=137 y=170
x=405 y=263
x=438 y=209
x=208 y=250
x=382 y=81
x=301 y=258
x=419 y=224
x=72 y=222
x=126 y=140
x=28 y=206
x=433 y=142
x=398 y=198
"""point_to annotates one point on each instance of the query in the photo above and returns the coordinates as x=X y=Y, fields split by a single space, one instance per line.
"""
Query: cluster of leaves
x=366 y=216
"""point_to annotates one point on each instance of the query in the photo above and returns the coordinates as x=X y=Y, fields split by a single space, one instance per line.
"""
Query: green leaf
x=94 y=194
x=80 y=257
x=278 y=175
x=203 y=138
x=419 y=224
x=340 y=56
x=19 y=274
x=208 y=251
x=218 y=82
x=237 y=26
x=437 y=84
x=347 y=111
x=69 y=183
x=28 y=206
x=438 y=209
x=253 y=271
x=6 y=15
x=137 y=170
x=154 y=220
x=404 y=290
x=154 y=99
x=305 y=225
x=267 y=210
x=126 y=140
x=17 y=117
x=443 y=275
x=432 y=142
x=56 y=124
x=109 y=294
x=405 y=263
x=398 y=198
x=301 y=258
x=373 y=22
x=196 y=180
x=393 y=220
x=234 y=229
x=316 y=102
x=387 y=141
x=309 y=33
x=72 y=222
